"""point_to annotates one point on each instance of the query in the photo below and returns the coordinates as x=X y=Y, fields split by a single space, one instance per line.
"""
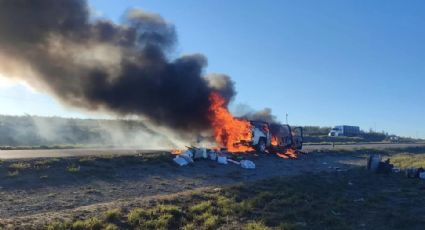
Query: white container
x=222 y=160
x=180 y=161
x=247 y=164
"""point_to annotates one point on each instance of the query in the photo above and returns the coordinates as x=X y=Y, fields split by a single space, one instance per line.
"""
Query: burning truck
x=242 y=135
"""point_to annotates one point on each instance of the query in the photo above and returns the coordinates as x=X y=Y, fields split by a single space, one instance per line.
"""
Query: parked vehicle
x=344 y=130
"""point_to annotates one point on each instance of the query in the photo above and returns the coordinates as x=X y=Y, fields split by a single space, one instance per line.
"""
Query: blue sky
x=323 y=62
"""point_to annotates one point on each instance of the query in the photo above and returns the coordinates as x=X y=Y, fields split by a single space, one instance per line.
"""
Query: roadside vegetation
x=407 y=160
x=342 y=200
x=35 y=132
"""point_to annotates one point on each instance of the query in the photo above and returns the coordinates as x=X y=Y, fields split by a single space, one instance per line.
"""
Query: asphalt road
x=46 y=153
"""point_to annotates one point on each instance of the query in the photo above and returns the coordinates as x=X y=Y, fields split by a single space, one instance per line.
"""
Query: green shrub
x=58 y=225
x=137 y=216
x=159 y=217
x=87 y=160
x=211 y=222
x=13 y=173
x=201 y=207
x=19 y=166
x=113 y=214
x=255 y=226
x=111 y=227
x=189 y=226
x=89 y=224
x=73 y=168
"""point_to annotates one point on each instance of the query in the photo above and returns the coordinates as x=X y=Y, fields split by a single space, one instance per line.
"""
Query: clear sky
x=323 y=62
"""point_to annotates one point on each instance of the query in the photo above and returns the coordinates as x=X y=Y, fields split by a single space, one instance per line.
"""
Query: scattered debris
x=234 y=162
x=375 y=164
x=222 y=160
x=184 y=158
x=414 y=172
x=180 y=161
x=222 y=156
x=247 y=164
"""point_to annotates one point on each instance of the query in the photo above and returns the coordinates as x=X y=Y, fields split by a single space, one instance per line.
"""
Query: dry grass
x=73 y=168
x=344 y=200
x=408 y=160
x=19 y=166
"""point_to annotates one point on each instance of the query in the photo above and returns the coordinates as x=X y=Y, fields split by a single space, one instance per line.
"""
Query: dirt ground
x=50 y=186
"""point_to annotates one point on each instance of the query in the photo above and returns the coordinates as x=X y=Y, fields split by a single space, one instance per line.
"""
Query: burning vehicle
x=274 y=137
x=242 y=135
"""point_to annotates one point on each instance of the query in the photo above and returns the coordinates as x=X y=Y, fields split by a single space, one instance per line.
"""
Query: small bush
x=58 y=225
x=89 y=224
x=136 y=216
x=111 y=227
x=19 y=166
x=226 y=206
x=113 y=214
x=211 y=222
x=73 y=168
x=13 y=173
x=189 y=226
x=201 y=207
x=255 y=226
x=159 y=217
x=87 y=160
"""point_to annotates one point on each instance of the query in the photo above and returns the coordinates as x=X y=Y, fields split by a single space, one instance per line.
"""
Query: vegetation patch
x=19 y=166
x=408 y=160
x=13 y=173
x=339 y=200
x=73 y=168
x=45 y=163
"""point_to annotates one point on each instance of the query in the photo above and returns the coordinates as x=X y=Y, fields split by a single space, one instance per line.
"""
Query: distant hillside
x=49 y=131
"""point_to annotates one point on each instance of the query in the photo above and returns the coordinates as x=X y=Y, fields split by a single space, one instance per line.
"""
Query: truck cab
x=261 y=137
x=336 y=132
x=275 y=136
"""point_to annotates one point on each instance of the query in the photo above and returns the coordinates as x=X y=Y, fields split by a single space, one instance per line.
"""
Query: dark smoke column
x=98 y=65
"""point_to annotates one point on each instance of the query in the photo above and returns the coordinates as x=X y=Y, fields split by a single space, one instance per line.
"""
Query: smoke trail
x=98 y=65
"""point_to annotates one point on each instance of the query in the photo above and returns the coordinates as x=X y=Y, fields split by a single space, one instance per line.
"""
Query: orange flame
x=290 y=153
x=274 y=141
x=176 y=152
x=229 y=132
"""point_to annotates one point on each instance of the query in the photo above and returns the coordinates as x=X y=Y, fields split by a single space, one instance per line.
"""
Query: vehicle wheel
x=261 y=146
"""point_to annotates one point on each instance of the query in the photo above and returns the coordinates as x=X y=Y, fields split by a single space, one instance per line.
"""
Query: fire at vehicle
x=241 y=135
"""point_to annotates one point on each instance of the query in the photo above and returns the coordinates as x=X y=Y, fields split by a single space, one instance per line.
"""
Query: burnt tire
x=261 y=146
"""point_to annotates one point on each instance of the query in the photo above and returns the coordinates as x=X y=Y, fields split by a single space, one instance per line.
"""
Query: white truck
x=344 y=130
x=266 y=136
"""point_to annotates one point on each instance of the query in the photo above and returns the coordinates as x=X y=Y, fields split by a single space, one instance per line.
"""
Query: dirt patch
x=49 y=185
x=339 y=199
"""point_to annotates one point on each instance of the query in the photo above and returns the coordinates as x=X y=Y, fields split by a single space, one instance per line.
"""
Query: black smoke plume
x=96 y=64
